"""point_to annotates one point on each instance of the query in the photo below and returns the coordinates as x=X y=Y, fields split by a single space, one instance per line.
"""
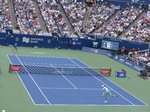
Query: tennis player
x=15 y=47
x=107 y=92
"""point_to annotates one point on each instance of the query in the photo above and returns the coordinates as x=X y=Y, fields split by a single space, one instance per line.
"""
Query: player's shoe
x=105 y=101
x=116 y=95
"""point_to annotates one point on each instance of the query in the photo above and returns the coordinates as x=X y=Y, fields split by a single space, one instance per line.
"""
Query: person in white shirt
x=107 y=92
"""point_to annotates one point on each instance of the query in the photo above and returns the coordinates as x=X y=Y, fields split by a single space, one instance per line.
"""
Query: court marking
x=73 y=88
x=76 y=88
x=34 y=81
x=38 y=52
x=107 y=85
x=66 y=79
x=123 y=89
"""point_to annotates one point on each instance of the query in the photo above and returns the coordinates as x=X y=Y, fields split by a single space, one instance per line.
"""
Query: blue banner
x=93 y=50
x=110 y=54
x=120 y=74
x=62 y=43
x=115 y=57
x=128 y=63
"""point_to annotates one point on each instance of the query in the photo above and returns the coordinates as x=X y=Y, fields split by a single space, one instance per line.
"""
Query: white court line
x=104 y=83
x=48 y=64
x=66 y=78
x=72 y=88
x=34 y=81
x=22 y=82
x=38 y=52
x=100 y=81
x=121 y=88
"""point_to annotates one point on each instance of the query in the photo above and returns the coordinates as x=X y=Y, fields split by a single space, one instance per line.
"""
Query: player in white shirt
x=107 y=92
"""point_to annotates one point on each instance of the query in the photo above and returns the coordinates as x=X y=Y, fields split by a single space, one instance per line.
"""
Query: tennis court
x=71 y=89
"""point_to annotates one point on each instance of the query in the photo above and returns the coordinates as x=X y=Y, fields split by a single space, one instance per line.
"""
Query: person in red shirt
x=70 y=44
x=123 y=70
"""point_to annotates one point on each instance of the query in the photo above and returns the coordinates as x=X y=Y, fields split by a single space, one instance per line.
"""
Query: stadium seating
x=5 y=19
x=67 y=18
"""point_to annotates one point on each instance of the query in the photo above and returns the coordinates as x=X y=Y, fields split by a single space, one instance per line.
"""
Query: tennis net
x=36 y=69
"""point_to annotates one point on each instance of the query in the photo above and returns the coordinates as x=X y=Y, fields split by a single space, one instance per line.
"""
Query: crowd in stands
x=5 y=19
x=76 y=12
x=120 y=22
x=84 y=18
x=27 y=17
x=141 y=31
x=99 y=14
x=100 y=19
x=141 y=58
x=53 y=17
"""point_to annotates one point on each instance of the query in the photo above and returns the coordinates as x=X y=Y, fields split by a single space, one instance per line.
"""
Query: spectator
x=5 y=19
x=70 y=44
x=27 y=17
x=55 y=22
x=140 y=31
x=123 y=70
x=120 y=22
x=144 y=74
x=122 y=50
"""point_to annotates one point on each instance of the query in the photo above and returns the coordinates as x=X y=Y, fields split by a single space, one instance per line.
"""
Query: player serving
x=107 y=92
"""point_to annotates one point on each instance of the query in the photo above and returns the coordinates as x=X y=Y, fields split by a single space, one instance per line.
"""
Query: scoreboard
x=110 y=45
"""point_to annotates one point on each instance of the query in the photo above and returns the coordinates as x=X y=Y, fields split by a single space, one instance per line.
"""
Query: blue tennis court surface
x=46 y=89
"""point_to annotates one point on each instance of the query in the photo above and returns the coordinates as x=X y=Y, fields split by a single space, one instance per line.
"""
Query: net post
x=10 y=68
x=110 y=72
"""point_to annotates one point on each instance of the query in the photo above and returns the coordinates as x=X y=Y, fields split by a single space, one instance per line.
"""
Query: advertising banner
x=110 y=54
x=128 y=63
x=105 y=71
x=15 y=68
x=93 y=50
x=120 y=74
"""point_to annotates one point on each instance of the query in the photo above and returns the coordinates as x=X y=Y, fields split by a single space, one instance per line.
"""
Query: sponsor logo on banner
x=2 y=38
x=48 y=41
x=105 y=71
x=94 y=50
x=25 y=39
x=75 y=39
x=109 y=54
x=129 y=64
x=36 y=40
x=74 y=43
x=137 y=68
x=16 y=39
x=121 y=60
x=116 y=57
x=121 y=75
x=15 y=68
x=32 y=40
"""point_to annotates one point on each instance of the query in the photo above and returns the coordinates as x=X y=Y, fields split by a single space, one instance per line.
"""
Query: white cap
x=3 y=110
x=102 y=85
